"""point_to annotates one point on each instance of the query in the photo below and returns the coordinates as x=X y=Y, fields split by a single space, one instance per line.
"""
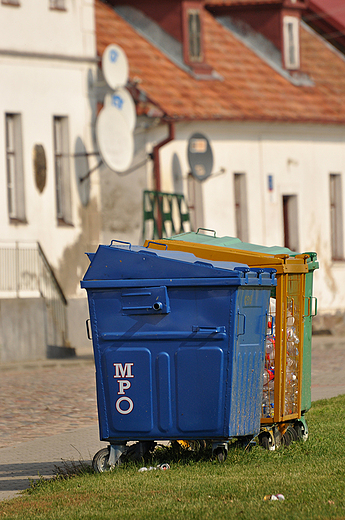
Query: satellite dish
x=114 y=139
x=115 y=66
x=200 y=156
x=123 y=101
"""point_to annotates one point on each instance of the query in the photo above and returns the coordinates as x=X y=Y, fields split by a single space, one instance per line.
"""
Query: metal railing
x=25 y=272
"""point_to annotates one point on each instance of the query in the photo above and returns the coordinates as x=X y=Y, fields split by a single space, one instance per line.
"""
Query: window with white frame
x=336 y=208
x=291 y=42
x=240 y=192
x=14 y=167
x=194 y=35
x=62 y=170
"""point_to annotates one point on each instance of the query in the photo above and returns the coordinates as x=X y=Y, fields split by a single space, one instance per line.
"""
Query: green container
x=310 y=310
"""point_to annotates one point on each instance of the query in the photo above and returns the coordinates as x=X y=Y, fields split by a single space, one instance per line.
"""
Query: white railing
x=25 y=272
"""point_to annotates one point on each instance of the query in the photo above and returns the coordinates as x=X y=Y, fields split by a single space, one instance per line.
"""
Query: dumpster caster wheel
x=221 y=454
x=100 y=461
x=289 y=436
x=266 y=441
x=302 y=432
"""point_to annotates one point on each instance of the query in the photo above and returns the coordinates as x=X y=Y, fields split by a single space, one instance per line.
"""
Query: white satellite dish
x=123 y=101
x=115 y=66
x=114 y=138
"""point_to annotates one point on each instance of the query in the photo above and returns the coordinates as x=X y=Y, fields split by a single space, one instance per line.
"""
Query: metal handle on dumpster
x=238 y=324
x=157 y=306
x=315 y=306
x=209 y=330
x=88 y=332
x=205 y=229
x=121 y=242
x=157 y=244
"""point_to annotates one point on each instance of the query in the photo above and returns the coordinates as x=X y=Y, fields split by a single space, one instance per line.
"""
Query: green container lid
x=232 y=242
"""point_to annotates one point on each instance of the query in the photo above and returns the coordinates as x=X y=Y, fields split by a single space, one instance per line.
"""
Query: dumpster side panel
x=162 y=375
x=199 y=384
x=248 y=361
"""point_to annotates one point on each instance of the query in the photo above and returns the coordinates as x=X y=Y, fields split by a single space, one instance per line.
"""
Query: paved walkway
x=49 y=413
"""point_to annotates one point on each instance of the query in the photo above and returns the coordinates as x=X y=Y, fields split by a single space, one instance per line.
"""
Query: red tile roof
x=332 y=11
x=250 y=90
x=242 y=2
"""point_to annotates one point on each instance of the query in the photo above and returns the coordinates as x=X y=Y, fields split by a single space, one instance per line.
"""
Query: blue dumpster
x=179 y=347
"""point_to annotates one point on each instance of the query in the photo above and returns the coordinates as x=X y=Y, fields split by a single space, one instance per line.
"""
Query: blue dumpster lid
x=122 y=261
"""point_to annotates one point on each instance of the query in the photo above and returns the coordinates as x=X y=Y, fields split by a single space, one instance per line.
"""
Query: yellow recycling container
x=282 y=385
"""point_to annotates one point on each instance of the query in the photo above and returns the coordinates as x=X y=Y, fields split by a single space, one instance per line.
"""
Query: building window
x=14 y=166
x=62 y=171
x=11 y=2
x=290 y=219
x=241 y=214
x=194 y=35
x=335 y=189
x=57 y=4
x=291 y=42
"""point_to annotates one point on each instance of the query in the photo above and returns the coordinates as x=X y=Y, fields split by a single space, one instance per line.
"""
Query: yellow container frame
x=290 y=293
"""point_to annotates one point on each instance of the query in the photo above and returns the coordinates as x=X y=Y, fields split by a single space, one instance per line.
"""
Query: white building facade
x=47 y=65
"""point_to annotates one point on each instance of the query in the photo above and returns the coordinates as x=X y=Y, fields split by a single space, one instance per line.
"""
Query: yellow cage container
x=282 y=388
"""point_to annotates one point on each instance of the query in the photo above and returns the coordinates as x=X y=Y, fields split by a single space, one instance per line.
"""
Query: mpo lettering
x=123 y=373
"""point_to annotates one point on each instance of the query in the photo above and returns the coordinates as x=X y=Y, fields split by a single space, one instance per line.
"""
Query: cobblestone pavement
x=327 y=367
x=60 y=397
x=48 y=400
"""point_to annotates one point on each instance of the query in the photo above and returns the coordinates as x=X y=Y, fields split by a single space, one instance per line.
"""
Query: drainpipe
x=155 y=154
x=157 y=172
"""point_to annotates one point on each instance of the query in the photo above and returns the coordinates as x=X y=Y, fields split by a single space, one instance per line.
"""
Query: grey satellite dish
x=123 y=101
x=115 y=66
x=200 y=157
x=115 y=140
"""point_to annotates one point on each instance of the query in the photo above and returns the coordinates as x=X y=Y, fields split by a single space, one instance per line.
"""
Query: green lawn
x=311 y=476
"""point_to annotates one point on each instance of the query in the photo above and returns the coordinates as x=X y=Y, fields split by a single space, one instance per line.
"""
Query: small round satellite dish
x=114 y=139
x=123 y=101
x=115 y=66
x=200 y=156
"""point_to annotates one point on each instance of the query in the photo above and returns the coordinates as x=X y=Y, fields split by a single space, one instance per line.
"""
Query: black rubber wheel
x=299 y=431
x=221 y=454
x=302 y=432
x=100 y=462
x=289 y=436
x=265 y=440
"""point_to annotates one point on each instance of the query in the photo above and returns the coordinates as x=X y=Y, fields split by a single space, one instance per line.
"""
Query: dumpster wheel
x=289 y=436
x=221 y=453
x=100 y=462
x=267 y=440
x=301 y=430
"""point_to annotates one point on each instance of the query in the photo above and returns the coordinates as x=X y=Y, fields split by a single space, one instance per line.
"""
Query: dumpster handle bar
x=244 y=323
x=157 y=244
x=88 y=332
x=206 y=229
x=121 y=242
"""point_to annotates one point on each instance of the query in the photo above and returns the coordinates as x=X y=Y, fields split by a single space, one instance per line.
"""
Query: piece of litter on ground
x=163 y=467
x=279 y=496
